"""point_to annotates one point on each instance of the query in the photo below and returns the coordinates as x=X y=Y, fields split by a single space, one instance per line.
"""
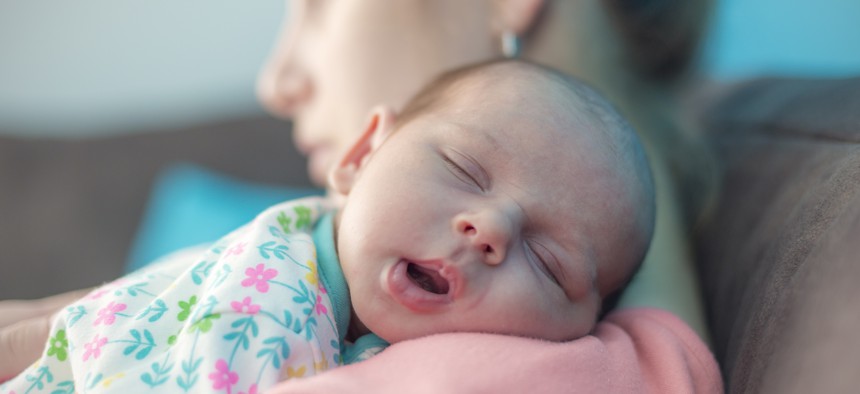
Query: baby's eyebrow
x=486 y=136
x=490 y=140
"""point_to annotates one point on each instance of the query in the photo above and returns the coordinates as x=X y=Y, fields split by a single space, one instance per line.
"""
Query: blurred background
x=123 y=121
x=94 y=67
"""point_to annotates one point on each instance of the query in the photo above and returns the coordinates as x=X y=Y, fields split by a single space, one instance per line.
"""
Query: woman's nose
x=488 y=232
x=283 y=88
x=284 y=85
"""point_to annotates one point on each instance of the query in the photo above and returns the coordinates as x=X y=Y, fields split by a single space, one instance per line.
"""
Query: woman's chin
x=319 y=162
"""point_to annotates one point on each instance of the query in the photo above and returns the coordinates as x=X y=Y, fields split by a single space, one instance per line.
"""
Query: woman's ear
x=516 y=16
x=379 y=126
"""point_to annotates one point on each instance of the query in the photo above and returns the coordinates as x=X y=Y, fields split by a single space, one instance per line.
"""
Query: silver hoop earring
x=510 y=44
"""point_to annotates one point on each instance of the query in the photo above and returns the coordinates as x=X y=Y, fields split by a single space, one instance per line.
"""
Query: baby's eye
x=458 y=171
x=539 y=253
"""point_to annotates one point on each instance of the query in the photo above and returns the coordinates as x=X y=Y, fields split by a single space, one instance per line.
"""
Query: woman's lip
x=407 y=293
x=302 y=144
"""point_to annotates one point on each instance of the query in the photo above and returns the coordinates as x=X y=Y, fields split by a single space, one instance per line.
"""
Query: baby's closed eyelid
x=463 y=173
x=546 y=260
x=469 y=166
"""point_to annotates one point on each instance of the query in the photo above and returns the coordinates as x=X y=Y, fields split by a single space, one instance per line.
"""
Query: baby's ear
x=379 y=126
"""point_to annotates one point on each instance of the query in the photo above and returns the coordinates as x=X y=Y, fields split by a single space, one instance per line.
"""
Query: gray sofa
x=779 y=258
x=70 y=209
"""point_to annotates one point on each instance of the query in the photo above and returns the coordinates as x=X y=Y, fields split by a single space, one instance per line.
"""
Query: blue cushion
x=190 y=205
x=783 y=37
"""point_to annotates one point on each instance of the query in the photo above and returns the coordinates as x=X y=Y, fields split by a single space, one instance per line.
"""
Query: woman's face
x=336 y=59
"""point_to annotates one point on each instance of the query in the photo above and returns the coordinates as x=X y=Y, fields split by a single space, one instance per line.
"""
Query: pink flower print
x=259 y=276
x=223 y=377
x=94 y=348
x=245 y=306
x=322 y=289
x=96 y=294
x=236 y=249
x=107 y=315
x=320 y=308
x=251 y=390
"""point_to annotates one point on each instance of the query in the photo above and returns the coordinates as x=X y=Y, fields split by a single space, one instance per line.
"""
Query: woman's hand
x=21 y=343
x=24 y=329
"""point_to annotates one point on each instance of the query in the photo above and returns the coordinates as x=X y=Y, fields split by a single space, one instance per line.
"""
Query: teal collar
x=331 y=273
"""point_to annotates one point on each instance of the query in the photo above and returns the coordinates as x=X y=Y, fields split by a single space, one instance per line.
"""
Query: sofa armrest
x=70 y=207
x=780 y=257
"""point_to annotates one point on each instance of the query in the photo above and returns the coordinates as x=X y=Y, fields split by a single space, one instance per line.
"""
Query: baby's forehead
x=527 y=105
x=524 y=82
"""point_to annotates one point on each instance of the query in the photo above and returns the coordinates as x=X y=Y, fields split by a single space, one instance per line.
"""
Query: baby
x=505 y=198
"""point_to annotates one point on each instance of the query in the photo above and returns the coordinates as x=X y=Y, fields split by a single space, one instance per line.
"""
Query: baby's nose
x=489 y=233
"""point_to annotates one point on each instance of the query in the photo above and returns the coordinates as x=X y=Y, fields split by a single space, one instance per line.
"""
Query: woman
x=336 y=59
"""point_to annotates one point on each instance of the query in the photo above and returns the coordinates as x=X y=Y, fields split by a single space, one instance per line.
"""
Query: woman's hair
x=660 y=37
x=660 y=40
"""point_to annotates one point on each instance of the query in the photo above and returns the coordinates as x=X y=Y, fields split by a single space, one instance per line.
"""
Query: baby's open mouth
x=427 y=278
x=424 y=286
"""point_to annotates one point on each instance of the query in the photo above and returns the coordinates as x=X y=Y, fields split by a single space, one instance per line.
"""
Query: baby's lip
x=424 y=286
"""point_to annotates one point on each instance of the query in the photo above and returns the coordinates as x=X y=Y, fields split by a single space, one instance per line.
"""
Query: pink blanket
x=631 y=351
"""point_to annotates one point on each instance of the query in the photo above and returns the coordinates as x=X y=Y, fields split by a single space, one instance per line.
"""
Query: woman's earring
x=510 y=44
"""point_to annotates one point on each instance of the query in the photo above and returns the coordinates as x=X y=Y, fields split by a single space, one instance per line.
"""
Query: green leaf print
x=284 y=221
x=67 y=387
x=137 y=288
x=91 y=383
x=280 y=345
x=276 y=232
x=160 y=374
x=304 y=294
x=202 y=268
x=189 y=368
x=288 y=318
x=44 y=376
x=159 y=310
x=59 y=345
x=336 y=356
x=279 y=251
x=246 y=323
x=204 y=324
x=304 y=217
x=309 y=328
x=75 y=314
x=223 y=273
x=186 y=308
x=137 y=342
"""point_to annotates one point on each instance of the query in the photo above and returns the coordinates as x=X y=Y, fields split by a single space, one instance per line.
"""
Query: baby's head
x=506 y=198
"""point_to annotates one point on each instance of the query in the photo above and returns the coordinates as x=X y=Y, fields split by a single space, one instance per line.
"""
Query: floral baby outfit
x=256 y=308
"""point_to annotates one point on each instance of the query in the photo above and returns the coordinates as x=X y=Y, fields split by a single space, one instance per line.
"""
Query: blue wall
x=785 y=37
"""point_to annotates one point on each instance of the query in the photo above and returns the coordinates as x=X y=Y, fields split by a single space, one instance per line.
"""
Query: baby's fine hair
x=616 y=133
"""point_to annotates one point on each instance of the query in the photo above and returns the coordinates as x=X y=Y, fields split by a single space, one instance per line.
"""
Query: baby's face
x=478 y=218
